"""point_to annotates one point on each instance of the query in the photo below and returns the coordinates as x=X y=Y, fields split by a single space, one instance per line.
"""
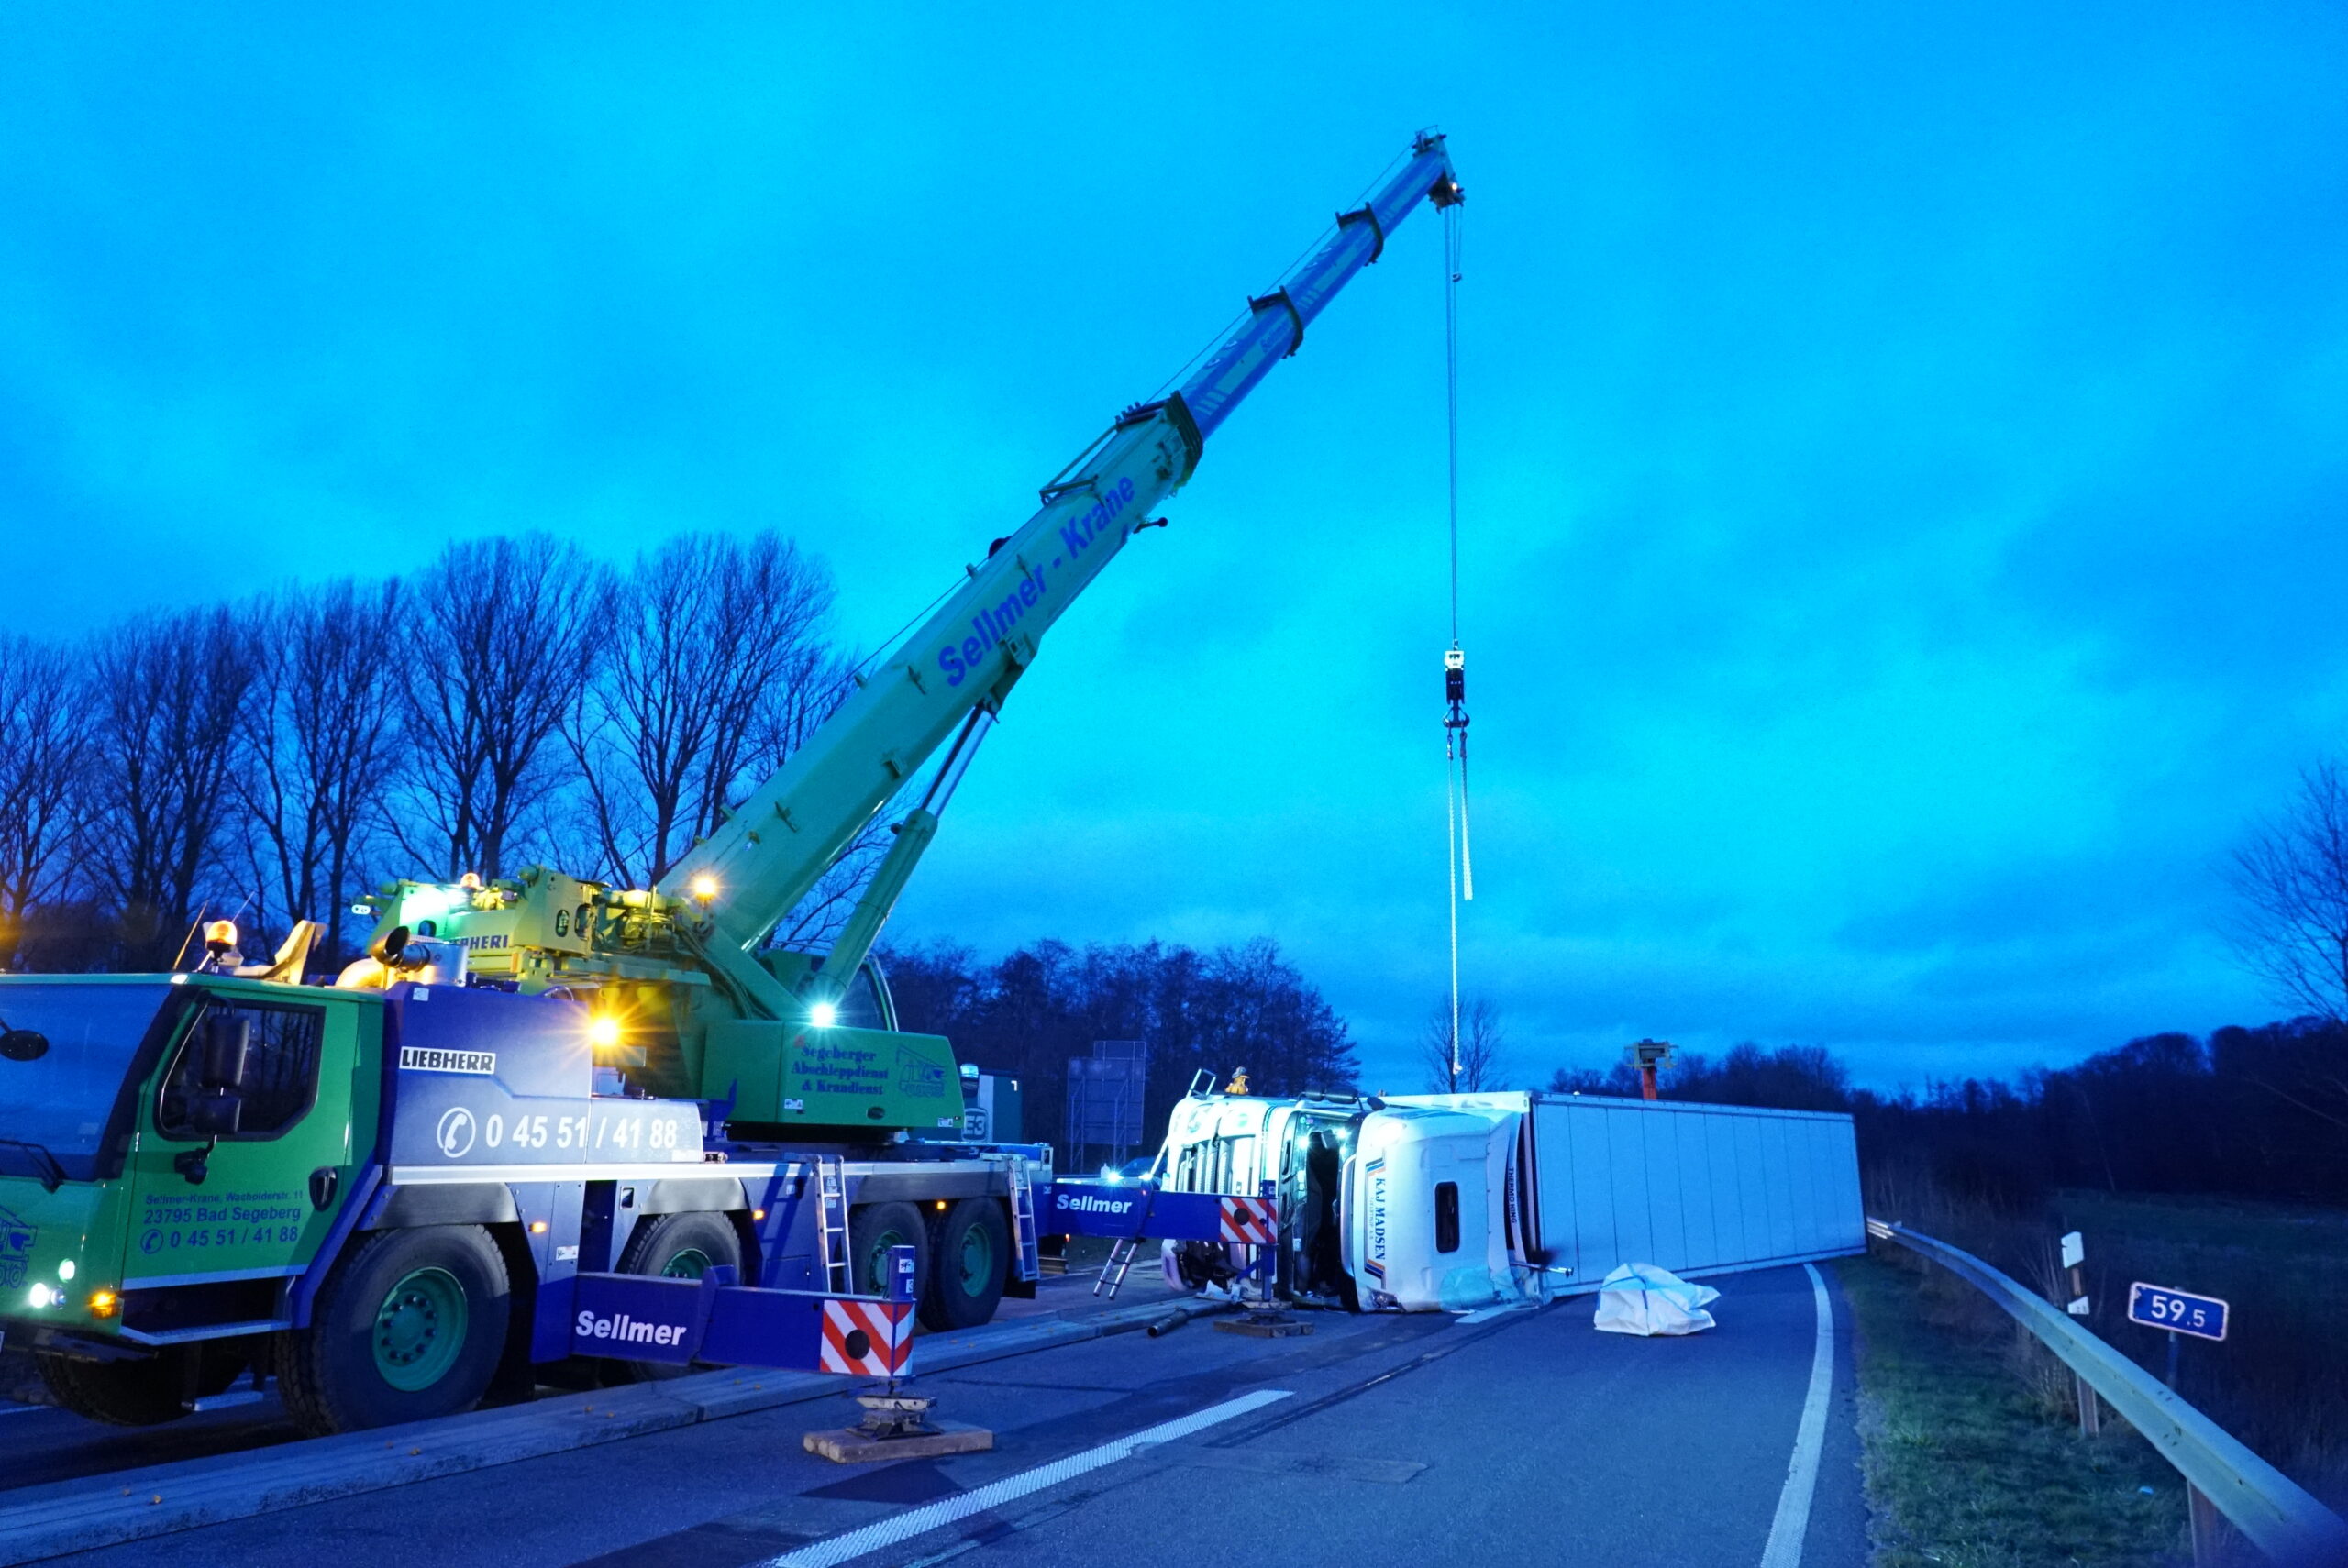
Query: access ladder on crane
x=831 y=1222
x=1022 y=1220
x=1120 y=1256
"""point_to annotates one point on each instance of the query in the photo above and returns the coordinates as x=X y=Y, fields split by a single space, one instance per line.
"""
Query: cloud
x=1904 y=459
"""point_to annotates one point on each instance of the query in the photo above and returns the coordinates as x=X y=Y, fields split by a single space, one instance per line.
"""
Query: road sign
x=2074 y=1258
x=2181 y=1311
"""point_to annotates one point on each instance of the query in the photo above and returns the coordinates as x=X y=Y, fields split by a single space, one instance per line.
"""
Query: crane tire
x=120 y=1393
x=410 y=1324
x=679 y=1246
x=969 y=1257
x=872 y=1231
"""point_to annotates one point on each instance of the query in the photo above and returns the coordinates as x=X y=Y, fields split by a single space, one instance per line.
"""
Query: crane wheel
x=410 y=1324
x=969 y=1252
x=679 y=1246
x=871 y=1232
x=141 y=1393
x=120 y=1393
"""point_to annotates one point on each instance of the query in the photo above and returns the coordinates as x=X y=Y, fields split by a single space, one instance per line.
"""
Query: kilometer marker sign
x=2181 y=1311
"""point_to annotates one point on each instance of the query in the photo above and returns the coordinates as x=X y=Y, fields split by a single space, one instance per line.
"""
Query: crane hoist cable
x=1460 y=863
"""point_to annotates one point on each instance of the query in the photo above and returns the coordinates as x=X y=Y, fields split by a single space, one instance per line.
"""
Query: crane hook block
x=1455 y=677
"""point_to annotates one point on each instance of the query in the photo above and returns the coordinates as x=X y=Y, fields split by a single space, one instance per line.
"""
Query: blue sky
x=1903 y=453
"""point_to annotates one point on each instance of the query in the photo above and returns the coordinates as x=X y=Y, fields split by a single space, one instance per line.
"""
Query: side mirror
x=228 y=1065
x=216 y=1115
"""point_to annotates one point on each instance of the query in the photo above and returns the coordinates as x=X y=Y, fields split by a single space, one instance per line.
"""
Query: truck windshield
x=63 y=1053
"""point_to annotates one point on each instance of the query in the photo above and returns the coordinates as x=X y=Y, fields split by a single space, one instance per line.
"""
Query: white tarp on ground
x=1640 y=1299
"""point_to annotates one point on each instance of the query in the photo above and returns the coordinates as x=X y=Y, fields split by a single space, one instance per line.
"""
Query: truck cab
x=1238 y=1144
x=1427 y=1221
x=1407 y=1203
x=173 y=1149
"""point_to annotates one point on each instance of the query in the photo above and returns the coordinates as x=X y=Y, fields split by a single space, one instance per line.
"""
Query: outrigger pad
x=854 y=1445
x=897 y=1425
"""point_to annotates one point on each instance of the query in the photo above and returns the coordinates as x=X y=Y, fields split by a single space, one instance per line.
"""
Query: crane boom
x=693 y=1001
x=964 y=659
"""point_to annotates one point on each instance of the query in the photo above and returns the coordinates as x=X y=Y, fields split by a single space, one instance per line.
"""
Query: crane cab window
x=1446 y=1217
x=281 y=1079
x=859 y=1005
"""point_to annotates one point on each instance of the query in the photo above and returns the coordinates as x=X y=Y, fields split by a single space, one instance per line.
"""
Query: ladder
x=831 y=1224
x=1022 y=1219
x=1120 y=1256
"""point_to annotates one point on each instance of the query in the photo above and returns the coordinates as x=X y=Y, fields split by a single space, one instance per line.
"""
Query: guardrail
x=2270 y=1510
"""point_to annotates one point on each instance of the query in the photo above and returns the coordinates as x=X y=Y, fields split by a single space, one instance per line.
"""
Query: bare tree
x=2291 y=877
x=318 y=744
x=166 y=695
x=1481 y=1041
x=718 y=657
x=44 y=749
x=817 y=682
x=818 y=918
x=508 y=631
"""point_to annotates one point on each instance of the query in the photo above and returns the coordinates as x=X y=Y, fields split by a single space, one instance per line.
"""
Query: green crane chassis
x=382 y=1198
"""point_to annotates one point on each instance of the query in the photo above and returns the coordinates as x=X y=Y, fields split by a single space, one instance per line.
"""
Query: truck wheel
x=410 y=1325
x=871 y=1232
x=969 y=1251
x=679 y=1246
x=120 y=1393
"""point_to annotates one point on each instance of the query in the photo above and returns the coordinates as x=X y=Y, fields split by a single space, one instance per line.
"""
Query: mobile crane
x=384 y=1191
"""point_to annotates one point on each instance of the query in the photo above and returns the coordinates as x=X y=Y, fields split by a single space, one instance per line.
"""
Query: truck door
x=239 y=1211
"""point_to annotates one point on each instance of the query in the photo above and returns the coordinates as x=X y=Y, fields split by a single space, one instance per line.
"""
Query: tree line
x=2247 y=1112
x=512 y=700
x=1025 y=1015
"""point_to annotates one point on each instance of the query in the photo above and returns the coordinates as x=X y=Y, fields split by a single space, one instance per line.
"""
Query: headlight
x=41 y=1296
x=65 y=1269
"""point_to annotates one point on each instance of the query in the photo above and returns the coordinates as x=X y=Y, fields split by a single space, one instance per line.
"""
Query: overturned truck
x=1448 y=1202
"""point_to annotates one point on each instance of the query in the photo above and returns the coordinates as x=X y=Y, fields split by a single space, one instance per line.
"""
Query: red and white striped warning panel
x=1247 y=1220
x=866 y=1339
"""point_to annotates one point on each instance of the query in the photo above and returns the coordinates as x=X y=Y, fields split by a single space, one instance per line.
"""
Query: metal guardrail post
x=2270 y=1510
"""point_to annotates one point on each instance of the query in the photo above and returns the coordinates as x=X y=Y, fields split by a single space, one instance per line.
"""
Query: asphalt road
x=1375 y=1440
x=39 y=1444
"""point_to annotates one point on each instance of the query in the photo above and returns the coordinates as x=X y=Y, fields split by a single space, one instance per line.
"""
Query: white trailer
x=1448 y=1202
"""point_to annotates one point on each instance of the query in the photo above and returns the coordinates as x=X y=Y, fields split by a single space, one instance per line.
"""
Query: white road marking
x=1482 y=1313
x=855 y=1543
x=1786 y=1531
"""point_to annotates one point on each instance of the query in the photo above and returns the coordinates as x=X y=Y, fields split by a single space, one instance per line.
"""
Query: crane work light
x=823 y=1015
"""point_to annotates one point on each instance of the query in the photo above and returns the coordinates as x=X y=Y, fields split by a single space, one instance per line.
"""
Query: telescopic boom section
x=771 y=853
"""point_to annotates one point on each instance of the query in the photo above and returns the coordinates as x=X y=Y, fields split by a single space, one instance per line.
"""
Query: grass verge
x=2279 y=1381
x=1966 y=1464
